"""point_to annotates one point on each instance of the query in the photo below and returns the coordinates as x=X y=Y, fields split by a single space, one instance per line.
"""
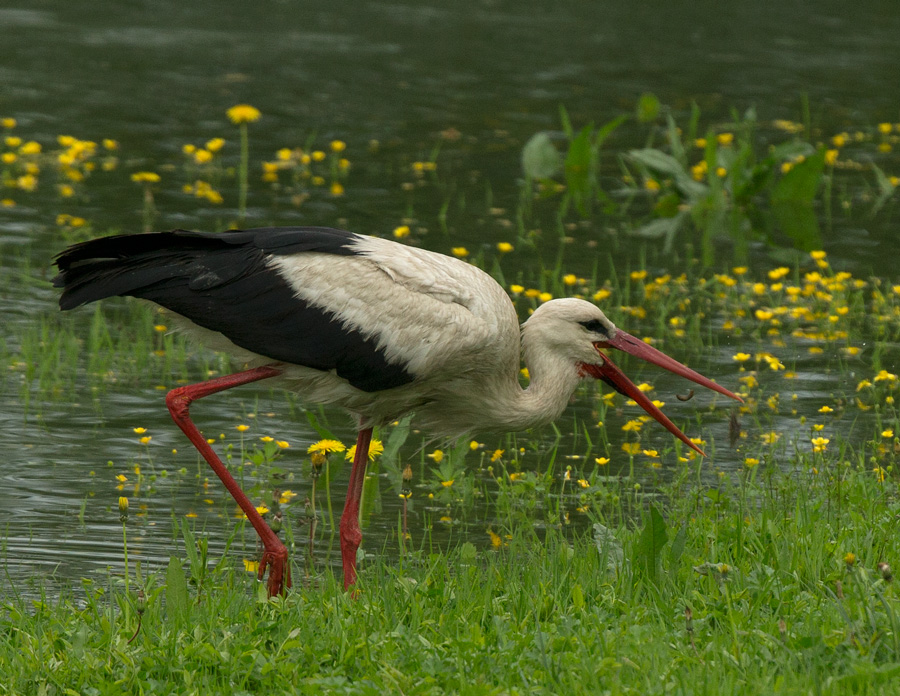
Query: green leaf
x=648 y=107
x=661 y=228
x=885 y=189
x=577 y=597
x=650 y=544
x=800 y=184
x=190 y=547
x=176 y=592
x=579 y=167
x=606 y=130
x=540 y=158
x=609 y=547
x=665 y=164
x=799 y=222
x=397 y=437
x=678 y=543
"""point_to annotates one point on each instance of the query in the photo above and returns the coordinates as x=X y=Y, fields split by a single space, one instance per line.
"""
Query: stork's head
x=581 y=332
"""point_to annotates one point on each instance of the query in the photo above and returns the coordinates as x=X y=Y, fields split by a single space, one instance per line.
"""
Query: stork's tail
x=136 y=264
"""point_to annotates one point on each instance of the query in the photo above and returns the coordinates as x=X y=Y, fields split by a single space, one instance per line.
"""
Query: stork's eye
x=595 y=326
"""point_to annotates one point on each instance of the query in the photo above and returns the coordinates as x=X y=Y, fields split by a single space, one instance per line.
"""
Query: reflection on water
x=158 y=76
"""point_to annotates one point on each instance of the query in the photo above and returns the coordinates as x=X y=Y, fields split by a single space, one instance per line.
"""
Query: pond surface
x=397 y=82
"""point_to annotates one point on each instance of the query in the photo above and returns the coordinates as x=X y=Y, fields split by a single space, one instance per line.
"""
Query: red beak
x=615 y=378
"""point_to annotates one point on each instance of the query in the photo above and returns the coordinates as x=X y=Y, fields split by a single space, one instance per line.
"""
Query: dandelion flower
x=326 y=446
x=243 y=113
x=375 y=448
x=145 y=177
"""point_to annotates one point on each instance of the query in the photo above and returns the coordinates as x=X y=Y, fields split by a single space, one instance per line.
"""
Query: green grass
x=743 y=587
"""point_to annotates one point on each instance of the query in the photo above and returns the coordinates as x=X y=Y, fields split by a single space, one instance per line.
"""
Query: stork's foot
x=276 y=561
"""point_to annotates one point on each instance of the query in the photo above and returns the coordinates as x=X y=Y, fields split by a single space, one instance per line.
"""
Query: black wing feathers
x=223 y=283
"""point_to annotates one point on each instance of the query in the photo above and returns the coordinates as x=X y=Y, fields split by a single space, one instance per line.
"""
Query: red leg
x=275 y=555
x=351 y=535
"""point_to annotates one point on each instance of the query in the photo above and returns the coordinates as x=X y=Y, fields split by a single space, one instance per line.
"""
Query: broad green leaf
x=799 y=222
x=176 y=591
x=579 y=167
x=610 y=547
x=677 y=548
x=540 y=158
x=650 y=543
x=800 y=184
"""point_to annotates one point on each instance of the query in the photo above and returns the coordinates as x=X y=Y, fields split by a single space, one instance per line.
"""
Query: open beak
x=615 y=378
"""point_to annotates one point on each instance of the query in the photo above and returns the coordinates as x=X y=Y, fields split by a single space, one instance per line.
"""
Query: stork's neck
x=553 y=381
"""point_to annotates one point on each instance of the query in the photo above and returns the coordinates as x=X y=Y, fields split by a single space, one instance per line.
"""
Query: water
x=475 y=81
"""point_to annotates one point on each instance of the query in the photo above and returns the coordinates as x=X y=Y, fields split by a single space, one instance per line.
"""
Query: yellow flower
x=318 y=155
x=145 y=177
x=884 y=128
x=497 y=454
x=375 y=448
x=460 y=252
x=826 y=409
x=751 y=462
x=545 y=297
x=251 y=566
x=146 y=439
x=850 y=558
x=8 y=122
x=584 y=483
x=447 y=484
x=326 y=446
x=401 y=231
x=516 y=476
x=601 y=461
x=243 y=113
x=818 y=255
x=283 y=444
x=202 y=156
x=121 y=478
x=631 y=448
x=139 y=431
x=831 y=157
x=601 y=294
x=437 y=456
x=504 y=247
x=638 y=275
x=516 y=289
x=820 y=443
x=887 y=433
x=242 y=428
x=496 y=541
x=338 y=146
x=267 y=438
x=725 y=138
x=123 y=504
x=570 y=279
x=741 y=357
x=337 y=188
x=651 y=453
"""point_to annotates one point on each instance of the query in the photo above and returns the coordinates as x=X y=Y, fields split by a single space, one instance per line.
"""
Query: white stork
x=378 y=328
